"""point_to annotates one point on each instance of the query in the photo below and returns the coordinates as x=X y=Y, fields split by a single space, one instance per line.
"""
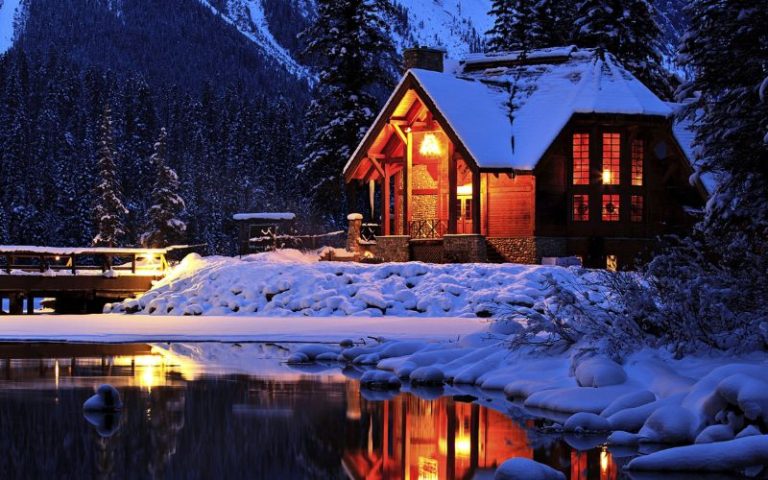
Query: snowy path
x=146 y=328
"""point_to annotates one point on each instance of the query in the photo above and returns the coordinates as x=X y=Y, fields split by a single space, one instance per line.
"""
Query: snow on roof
x=549 y=85
x=685 y=134
x=65 y=251
x=475 y=103
x=264 y=216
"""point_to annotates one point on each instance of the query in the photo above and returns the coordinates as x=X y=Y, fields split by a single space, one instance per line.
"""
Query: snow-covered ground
x=290 y=283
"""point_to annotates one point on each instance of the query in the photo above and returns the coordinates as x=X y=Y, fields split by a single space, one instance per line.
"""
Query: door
x=464 y=214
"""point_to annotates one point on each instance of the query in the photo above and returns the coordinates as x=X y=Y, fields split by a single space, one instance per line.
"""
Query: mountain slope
x=10 y=11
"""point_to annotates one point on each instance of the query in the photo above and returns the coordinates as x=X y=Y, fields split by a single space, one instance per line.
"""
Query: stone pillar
x=354 y=232
x=464 y=248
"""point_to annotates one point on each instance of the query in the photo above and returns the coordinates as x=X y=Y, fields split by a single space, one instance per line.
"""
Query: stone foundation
x=392 y=248
x=464 y=249
x=526 y=249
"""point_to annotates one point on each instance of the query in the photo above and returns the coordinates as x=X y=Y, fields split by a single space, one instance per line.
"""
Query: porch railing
x=369 y=232
x=428 y=228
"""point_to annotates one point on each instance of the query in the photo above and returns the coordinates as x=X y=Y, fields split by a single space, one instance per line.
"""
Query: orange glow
x=581 y=159
x=464 y=189
x=430 y=146
x=611 y=158
x=463 y=446
x=428 y=469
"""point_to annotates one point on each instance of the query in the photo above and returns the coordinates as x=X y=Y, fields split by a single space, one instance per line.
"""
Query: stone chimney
x=423 y=57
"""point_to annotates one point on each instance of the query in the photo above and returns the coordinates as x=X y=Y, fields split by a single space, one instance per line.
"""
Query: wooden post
x=452 y=181
x=476 y=220
x=407 y=184
x=72 y=260
x=133 y=264
x=42 y=263
x=30 y=303
x=15 y=304
x=8 y=262
x=385 y=201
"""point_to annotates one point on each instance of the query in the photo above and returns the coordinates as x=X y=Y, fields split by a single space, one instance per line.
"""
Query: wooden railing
x=369 y=232
x=428 y=228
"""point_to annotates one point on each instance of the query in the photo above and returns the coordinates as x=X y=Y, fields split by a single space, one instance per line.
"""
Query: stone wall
x=424 y=207
x=464 y=248
x=392 y=248
x=526 y=249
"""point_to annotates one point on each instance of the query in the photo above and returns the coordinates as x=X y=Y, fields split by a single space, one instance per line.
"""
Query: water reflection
x=177 y=424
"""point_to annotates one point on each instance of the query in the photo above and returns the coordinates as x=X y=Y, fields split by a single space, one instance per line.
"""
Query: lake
x=179 y=422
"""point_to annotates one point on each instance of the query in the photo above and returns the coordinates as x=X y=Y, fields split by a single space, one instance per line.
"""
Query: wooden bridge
x=80 y=279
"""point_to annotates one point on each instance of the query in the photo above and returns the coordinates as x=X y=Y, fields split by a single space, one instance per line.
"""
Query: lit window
x=581 y=159
x=637 y=163
x=468 y=209
x=636 y=213
x=611 y=158
x=611 y=263
x=610 y=208
x=581 y=208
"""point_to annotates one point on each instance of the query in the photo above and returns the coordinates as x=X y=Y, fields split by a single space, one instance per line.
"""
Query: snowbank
x=290 y=283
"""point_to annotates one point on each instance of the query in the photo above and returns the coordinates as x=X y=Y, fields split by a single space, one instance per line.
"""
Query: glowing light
x=56 y=372
x=464 y=189
x=607 y=177
x=430 y=146
x=463 y=446
x=57 y=258
x=604 y=460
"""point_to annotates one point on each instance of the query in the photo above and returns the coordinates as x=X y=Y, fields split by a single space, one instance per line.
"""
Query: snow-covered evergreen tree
x=109 y=211
x=627 y=29
x=512 y=26
x=713 y=285
x=351 y=39
x=165 y=225
x=552 y=24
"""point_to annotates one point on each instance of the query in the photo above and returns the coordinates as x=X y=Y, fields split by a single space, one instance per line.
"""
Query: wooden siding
x=509 y=204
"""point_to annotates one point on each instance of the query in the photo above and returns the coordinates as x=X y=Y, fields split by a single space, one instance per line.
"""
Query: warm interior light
x=464 y=189
x=604 y=460
x=606 y=177
x=430 y=147
x=463 y=446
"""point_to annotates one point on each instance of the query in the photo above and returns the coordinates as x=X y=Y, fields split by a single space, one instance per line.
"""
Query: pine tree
x=628 y=30
x=109 y=211
x=552 y=24
x=727 y=49
x=164 y=224
x=513 y=25
x=352 y=40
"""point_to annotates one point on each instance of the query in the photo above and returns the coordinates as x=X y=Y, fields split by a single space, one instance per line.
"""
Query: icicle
x=371 y=195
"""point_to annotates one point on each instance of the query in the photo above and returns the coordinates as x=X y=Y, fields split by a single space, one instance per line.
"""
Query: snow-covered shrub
x=711 y=293
x=605 y=313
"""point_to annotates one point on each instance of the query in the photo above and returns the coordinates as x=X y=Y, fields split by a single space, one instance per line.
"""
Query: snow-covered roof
x=549 y=85
x=66 y=251
x=264 y=216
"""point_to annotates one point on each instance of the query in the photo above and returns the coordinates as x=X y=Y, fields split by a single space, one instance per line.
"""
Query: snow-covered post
x=354 y=232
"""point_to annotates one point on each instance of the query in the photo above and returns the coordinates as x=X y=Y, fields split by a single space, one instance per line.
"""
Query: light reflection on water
x=179 y=423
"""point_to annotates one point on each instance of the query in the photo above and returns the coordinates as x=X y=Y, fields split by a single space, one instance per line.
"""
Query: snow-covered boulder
x=106 y=399
x=427 y=376
x=715 y=433
x=378 y=379
x=630 y=400
x=599 y=372
x=669 y=424
x=623 y=438
x=730 y=456
x=748 y=393
x=586 y=422
x=526 y=469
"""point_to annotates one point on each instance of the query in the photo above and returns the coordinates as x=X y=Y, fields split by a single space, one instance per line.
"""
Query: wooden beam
x=385 y=201
x=452 y=186
x=399 y=131
x=407 y=184
x=377 y=165
x=476 y=219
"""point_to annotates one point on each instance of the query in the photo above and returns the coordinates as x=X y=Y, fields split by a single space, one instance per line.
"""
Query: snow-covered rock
x=586 y=422
x=729 y=456
x=715 y=433
x=526 y=469
x=378 y=379
x=599 y=372
x=669 y=424
x=106 y=399
x=427 y=376
x=630 y=400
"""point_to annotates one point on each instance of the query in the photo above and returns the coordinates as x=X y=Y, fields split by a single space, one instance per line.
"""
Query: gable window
x=581 y=159
x=636 y=212
x=637 y=162
x=610 y=208
x=581 y=208
x=611 y=158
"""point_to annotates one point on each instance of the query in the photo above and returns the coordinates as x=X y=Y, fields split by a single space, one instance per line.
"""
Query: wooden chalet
x=558 y=153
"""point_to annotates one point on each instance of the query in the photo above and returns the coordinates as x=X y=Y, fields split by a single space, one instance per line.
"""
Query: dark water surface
x=284 y=425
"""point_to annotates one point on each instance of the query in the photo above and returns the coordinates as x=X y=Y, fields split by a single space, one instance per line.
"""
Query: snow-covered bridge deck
x=28 y=272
